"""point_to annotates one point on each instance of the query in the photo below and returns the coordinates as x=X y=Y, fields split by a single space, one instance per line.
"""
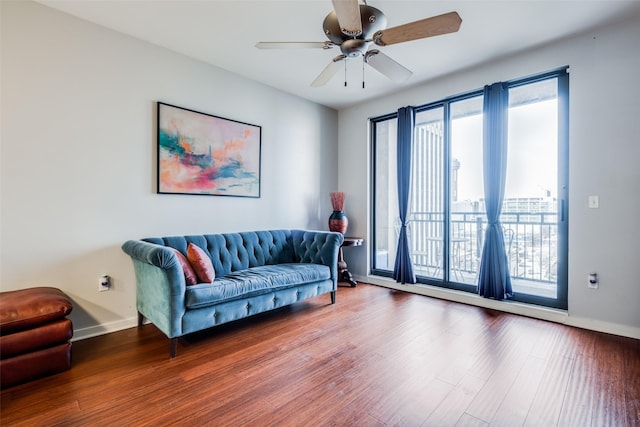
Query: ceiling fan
x=356 y=27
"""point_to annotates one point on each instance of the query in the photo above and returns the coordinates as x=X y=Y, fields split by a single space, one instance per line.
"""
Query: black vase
x=338 y=222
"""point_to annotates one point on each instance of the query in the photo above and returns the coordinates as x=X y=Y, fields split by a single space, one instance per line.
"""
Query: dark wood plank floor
x=378 y=357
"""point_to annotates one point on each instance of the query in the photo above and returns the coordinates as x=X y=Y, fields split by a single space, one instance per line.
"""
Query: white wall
x=78 y=157
x=604 y=153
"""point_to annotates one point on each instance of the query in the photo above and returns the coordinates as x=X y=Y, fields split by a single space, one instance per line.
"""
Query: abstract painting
x=203 y=154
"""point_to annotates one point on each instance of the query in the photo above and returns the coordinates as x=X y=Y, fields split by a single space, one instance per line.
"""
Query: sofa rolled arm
x=160 y=256
x=160 y=285
x=318 y=247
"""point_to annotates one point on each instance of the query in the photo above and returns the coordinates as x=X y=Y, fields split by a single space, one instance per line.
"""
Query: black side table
x=343 y=272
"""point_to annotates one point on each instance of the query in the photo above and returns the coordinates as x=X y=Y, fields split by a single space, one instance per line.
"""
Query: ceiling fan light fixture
x=354 y=47
x=355 y=27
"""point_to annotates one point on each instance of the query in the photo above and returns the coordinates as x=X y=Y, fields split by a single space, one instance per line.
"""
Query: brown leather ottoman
x=34 y=334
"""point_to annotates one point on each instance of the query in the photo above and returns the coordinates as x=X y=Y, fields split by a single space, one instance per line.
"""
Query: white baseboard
x=105 y=328
x=606 y=327
x=537 y=312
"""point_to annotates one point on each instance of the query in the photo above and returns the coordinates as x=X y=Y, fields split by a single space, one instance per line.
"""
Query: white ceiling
x=224 y=32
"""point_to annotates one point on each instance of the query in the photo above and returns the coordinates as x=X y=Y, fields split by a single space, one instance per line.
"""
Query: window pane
x=427 y=193
x=467 y=191
x=529 y=211
x=386 y=194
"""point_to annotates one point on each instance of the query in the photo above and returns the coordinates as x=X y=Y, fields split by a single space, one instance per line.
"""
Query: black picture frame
x=203 y=154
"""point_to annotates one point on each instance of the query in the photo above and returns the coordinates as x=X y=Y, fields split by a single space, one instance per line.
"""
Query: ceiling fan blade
x=429 y=27
x=348 y=14
x=294 y=45
x=387 y=66
x=329 y=71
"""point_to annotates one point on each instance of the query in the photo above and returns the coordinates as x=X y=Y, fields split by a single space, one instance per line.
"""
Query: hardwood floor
x=377 y=357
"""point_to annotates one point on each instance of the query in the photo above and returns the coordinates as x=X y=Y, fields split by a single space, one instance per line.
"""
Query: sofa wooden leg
x=173 y=347
x=140 y=319
x=333 y=297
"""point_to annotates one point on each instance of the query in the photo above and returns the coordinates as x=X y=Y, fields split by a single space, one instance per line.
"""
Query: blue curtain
x=403 y=269
x=494 y=280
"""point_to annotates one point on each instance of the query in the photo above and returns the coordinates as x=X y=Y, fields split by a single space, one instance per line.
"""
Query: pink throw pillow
x=201 y=264
x=189 y=275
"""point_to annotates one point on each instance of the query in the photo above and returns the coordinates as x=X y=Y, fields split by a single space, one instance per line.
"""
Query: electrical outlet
x=104 y=283
x=593 y=281
x=594 y=202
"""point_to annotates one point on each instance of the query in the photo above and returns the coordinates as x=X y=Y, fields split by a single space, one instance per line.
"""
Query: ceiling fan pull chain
x=345 y=73
x=363 y=72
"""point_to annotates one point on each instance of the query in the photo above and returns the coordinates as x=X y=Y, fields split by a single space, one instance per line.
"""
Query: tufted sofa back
x=238 y=251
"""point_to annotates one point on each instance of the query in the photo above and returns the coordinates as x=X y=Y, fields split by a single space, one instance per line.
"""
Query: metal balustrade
x=530 y=244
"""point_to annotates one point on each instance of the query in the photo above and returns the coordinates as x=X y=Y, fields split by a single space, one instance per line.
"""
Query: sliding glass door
x=447 y=210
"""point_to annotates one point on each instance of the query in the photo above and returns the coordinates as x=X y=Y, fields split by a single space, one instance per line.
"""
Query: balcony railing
x=530 y=244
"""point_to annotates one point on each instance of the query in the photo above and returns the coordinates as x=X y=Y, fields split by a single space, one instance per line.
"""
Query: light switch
x=594 y=202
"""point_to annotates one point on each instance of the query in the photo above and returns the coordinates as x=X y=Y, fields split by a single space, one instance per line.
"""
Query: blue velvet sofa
x=254 y=272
